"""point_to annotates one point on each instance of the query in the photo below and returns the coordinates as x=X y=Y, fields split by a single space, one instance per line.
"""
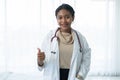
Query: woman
x=66 y=54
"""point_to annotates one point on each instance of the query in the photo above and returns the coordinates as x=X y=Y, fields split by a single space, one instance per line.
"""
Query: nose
x=64 y=20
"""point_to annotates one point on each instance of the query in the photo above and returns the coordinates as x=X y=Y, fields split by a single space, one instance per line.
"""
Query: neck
x=66 y=31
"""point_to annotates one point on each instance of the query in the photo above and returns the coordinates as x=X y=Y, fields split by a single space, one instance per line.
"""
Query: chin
x=65 y=28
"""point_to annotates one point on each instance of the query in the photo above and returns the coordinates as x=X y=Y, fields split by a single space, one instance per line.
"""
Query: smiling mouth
x=64 y=25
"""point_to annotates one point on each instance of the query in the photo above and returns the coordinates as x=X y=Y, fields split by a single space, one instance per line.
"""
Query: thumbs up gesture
x=40 y=57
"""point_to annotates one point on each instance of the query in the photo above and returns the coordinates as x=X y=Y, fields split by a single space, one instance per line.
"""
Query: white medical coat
x=80 y=62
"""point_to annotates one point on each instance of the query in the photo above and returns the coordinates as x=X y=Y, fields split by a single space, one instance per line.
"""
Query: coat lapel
x=76 y=48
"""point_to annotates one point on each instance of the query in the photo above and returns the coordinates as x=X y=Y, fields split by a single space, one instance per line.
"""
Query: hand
x=40 y=57
x=79 y=77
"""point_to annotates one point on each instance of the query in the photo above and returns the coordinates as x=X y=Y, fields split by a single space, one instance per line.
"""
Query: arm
x=44 y=47
x=86 y=59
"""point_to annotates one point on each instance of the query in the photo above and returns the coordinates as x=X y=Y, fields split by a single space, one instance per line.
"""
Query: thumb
x=39 y=51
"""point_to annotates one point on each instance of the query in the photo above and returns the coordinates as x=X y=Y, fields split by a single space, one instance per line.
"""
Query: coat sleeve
x=86 y=58
x=45 y=48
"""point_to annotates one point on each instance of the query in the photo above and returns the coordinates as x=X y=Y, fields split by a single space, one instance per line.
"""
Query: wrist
x=40 y=63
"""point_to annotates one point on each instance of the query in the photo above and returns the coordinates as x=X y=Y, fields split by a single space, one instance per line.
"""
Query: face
x=64 y=19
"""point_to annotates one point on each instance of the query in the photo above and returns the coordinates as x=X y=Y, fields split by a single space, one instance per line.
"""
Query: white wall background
x=24 y=23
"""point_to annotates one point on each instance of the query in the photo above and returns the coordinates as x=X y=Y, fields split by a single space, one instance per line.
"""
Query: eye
x=67 y=17
x=59 y=17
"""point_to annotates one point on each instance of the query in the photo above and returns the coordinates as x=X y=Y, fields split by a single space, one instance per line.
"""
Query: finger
x=41 y=54
x=42 y=57
x=39 y=51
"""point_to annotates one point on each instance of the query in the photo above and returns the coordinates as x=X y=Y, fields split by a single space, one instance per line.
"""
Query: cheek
x=69 y=21
x=58 y=21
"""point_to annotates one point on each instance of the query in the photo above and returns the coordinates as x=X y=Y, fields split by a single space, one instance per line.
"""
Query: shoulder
x=83 y=40
x=51 y=33
x=78 y=33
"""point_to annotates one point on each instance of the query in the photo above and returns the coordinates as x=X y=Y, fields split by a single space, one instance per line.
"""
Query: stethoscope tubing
x=75 y=33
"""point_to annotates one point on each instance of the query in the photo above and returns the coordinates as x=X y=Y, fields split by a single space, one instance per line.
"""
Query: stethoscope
x=55 y=36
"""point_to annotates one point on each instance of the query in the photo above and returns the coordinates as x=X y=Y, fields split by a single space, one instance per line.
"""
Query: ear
x=73 y=18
